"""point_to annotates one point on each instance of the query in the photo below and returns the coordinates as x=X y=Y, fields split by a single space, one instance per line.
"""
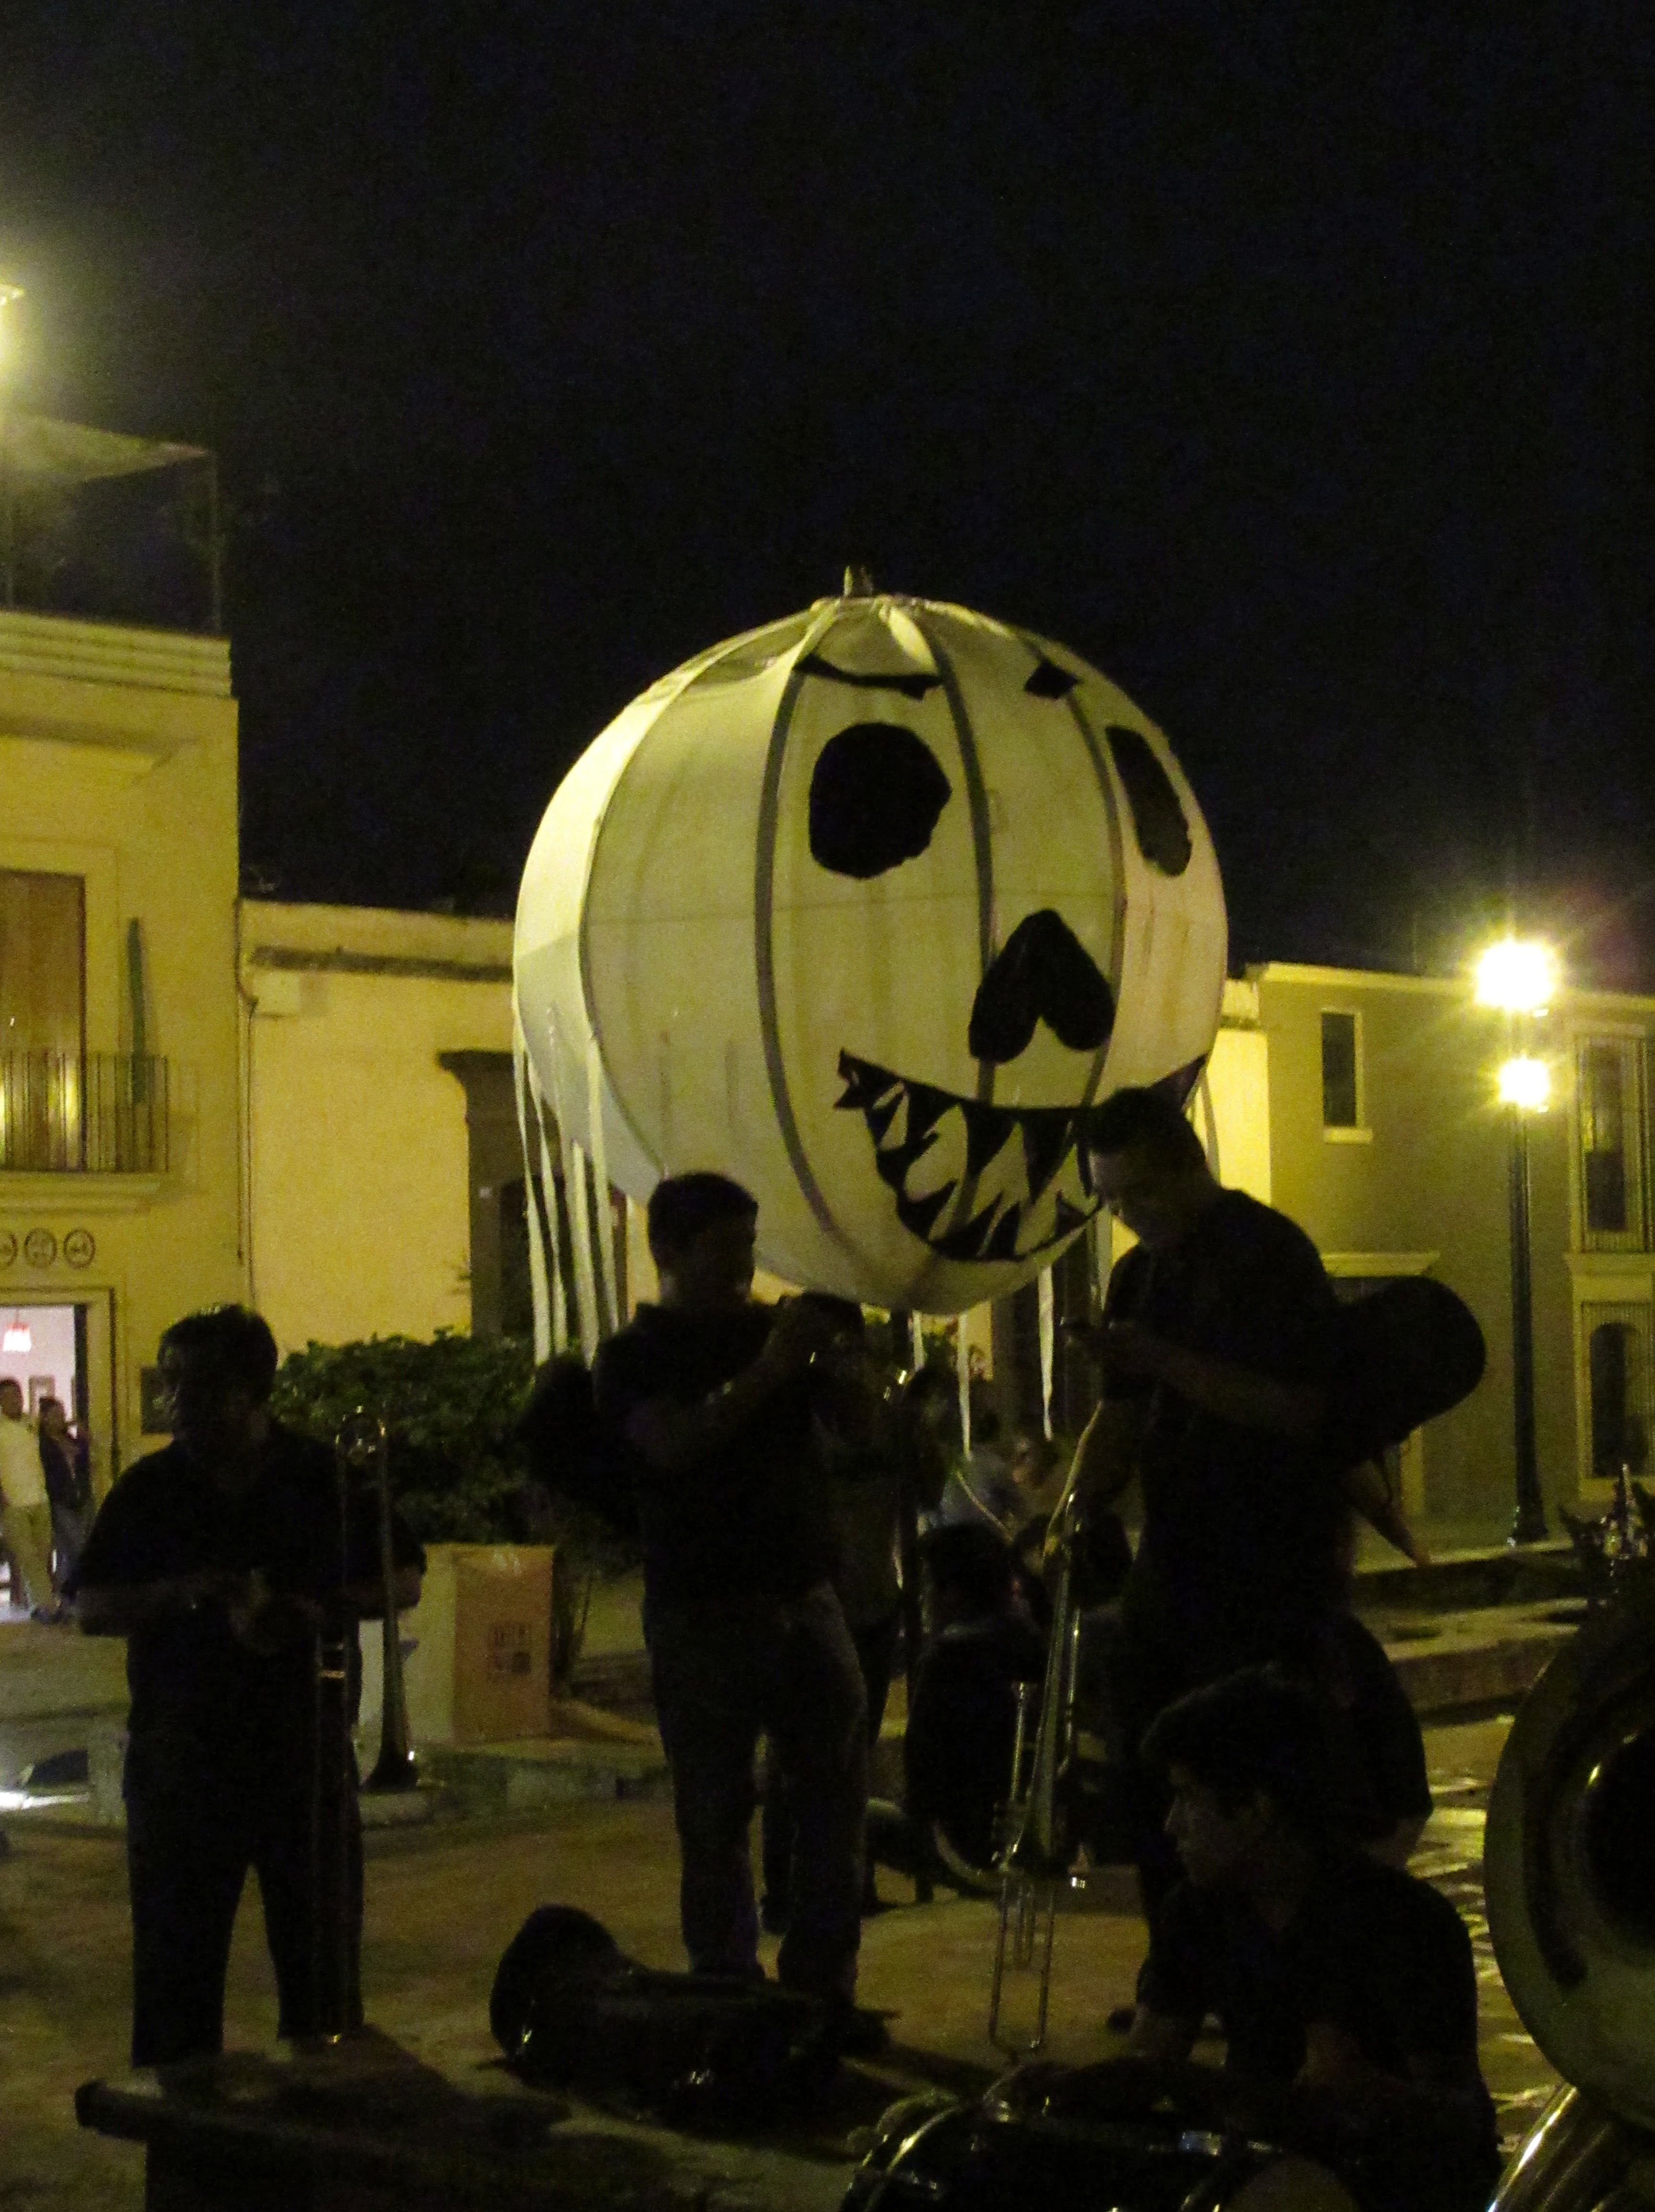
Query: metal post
x=1529 y=1525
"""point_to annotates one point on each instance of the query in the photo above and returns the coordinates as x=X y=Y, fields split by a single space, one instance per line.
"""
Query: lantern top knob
x=859 y=582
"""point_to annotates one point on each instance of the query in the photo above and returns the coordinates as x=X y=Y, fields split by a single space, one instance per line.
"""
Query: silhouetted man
x=710 y=1393
x=214 y=1558
x=1217 y=1342
x=1346 y=1989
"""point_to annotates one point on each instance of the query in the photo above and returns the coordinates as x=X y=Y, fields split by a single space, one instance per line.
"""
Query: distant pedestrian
x=69 y=1489
x=25 y=1511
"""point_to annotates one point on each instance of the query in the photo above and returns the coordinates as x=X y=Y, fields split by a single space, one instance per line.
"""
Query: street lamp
x=1519 y=977
x=10 y=294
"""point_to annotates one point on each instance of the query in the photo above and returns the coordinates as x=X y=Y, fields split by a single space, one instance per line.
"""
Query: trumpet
x=1039 y=1850
x=335 y=1966
x=363 y=1444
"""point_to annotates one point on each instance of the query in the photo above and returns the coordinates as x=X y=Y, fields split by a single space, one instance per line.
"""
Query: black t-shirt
x=748 y=1522
x=1371 y=1951
x=957 y=1747
x=1240 y=1525
x=1388 y=1748
x=165 y=1517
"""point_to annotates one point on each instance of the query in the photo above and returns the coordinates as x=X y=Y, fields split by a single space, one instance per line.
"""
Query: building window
x=42 y=963
x=1611 y=1144
x=1341 y=1098
x=1618 y=1386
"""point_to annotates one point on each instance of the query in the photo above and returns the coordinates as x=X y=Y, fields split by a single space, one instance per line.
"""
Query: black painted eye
x=1163 y=834
x=875 y=799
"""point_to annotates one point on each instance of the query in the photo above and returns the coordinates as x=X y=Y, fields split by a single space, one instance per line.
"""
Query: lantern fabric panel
x=866 y=909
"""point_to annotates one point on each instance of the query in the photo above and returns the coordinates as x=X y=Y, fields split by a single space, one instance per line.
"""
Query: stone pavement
x=443 y=1902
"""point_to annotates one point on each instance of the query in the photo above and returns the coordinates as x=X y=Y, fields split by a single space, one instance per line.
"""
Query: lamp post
x=1518 y=978
x=9 y=294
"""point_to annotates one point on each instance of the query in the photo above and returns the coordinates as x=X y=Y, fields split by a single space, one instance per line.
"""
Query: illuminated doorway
x=43 y=1349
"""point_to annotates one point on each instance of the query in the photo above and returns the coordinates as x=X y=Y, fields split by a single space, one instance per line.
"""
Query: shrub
x=457 y=1465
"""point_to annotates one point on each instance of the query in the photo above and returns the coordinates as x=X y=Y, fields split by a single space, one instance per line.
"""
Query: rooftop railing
x=95 y=1113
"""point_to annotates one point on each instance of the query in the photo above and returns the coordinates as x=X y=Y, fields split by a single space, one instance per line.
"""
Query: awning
x=40 y=448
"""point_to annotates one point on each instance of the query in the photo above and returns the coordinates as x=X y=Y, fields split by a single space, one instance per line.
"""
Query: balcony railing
x=95 y=1113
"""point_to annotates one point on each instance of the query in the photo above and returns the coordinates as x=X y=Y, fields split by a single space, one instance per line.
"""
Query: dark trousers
x=788 y=1671
x=195 y=1825
x=876 y=1655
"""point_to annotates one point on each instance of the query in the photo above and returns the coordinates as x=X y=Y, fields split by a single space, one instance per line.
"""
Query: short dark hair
x=681 y=1206
x=971 y=1560
x=234 y=1342
x=1255 y=1731
x=1147 y=1120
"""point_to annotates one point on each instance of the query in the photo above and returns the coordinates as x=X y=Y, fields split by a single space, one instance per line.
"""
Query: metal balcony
x=95 y=1113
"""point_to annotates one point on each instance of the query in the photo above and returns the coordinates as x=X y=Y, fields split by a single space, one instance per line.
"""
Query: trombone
x=363 y=1444
x=1039 y=1850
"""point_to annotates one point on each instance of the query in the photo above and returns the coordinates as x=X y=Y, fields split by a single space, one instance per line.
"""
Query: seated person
x=1345 y=1989
x=957 y=1746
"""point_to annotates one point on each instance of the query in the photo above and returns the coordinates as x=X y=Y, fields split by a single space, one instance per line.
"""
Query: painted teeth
x=996 y=1199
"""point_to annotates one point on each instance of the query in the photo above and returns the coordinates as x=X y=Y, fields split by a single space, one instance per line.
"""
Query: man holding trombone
x=1216 y=1343
x=222 y=1560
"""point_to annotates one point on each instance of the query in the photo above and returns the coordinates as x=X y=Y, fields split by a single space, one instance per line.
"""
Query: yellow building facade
x=205 y=1098
x=381 y=1129
x=121 y=1121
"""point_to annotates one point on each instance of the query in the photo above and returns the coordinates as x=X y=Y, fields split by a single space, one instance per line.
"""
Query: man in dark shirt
x=1346 y=1990
x=1217 y=1346
x=216 y=1559
x=710 y=1395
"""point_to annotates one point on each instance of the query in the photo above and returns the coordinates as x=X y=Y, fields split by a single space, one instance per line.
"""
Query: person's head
x=1033 y=1462
x=54 y=1421
x=1248 y=1761
x=971 y=1572
x=701 y=1235
x=1146 y=1164
x=11 y=1398
x=216 y=1370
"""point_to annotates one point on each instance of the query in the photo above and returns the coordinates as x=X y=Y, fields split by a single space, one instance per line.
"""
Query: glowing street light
x=1525 y=1084
x=1518 y=975
x=9 y=295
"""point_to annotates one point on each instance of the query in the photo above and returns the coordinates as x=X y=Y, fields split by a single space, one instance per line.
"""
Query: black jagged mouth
x=974 y=1183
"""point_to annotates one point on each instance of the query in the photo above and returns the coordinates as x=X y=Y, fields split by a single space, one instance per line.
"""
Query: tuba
x=1039 y=1850
x=1572 y=1908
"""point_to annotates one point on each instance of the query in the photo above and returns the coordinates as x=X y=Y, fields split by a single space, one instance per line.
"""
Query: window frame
x=1633 y=1047
x=1617 y=1304
x=1342 y=1132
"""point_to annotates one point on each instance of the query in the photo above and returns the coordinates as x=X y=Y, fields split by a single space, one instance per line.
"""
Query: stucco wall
x=359 y=1156
x=122 y=770
x=1426 y=1181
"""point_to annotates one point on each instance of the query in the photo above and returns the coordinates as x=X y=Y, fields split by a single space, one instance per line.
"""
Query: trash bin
x=477 y=1648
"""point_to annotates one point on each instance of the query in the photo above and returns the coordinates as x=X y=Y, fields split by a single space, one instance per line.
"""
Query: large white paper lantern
x=867 y=908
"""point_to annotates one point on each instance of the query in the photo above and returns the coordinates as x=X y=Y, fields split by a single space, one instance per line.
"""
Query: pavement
x=1471 y=1633
x=443 y=1901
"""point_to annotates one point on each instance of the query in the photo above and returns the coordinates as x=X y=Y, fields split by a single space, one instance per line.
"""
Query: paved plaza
x=443 y=1902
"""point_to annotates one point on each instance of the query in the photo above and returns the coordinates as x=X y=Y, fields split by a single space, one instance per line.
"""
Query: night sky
x=1292 y=364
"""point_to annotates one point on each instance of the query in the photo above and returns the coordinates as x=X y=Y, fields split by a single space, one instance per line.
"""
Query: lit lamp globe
x=868 y=908
x=1525 y=1084
x=1518 y=975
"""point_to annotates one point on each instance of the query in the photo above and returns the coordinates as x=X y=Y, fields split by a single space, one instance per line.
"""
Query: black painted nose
x=1043 y=972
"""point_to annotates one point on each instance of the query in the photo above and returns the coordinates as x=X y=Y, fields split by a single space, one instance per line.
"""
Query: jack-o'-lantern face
x=884 y=900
